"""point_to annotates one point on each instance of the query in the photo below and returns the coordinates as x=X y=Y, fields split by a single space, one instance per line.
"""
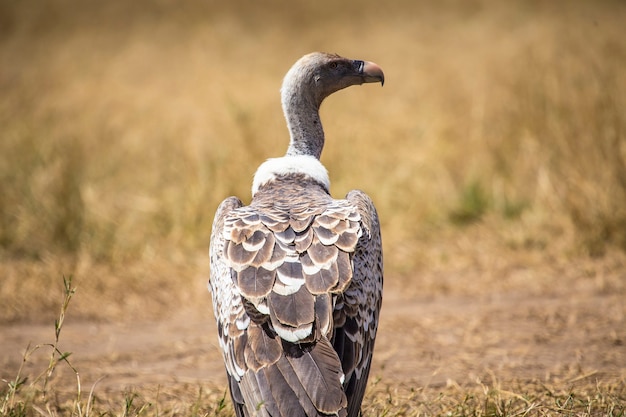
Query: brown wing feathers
x=361 y=303
x=287 y=259
x=288 y=265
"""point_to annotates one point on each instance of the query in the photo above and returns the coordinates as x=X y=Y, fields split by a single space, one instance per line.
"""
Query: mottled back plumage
x=296 y=279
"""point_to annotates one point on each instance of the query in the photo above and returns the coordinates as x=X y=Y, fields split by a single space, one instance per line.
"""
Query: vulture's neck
x=303 y=120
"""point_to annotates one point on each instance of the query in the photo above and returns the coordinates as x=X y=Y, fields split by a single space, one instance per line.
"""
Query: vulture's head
x=317 y=75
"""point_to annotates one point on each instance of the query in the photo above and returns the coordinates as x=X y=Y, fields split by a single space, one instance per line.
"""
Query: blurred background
x=495 y=153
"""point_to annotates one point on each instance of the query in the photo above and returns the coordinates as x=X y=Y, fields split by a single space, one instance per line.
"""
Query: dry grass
x=121 y=127
x=124 y=126
x=497 y=141
x=484 y=399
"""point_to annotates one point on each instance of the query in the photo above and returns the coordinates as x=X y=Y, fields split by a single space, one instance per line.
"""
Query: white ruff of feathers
x=292 y=164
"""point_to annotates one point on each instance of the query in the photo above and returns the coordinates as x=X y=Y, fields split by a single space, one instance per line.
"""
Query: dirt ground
x=573 y=333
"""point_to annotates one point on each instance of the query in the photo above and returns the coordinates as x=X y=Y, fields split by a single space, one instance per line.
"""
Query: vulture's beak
x=372 y=73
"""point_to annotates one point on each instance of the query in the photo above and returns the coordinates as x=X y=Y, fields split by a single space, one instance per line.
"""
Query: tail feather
x=319 y=372
x=255 y=398
x=291 y=395
x=305 y=381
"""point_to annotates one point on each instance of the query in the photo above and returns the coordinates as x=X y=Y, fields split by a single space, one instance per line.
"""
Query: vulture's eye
x=333 y=65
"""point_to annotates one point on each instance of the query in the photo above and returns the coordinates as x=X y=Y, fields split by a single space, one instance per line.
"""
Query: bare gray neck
x=305 y=127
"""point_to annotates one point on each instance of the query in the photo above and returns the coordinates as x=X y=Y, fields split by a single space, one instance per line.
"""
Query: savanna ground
x=496 y=155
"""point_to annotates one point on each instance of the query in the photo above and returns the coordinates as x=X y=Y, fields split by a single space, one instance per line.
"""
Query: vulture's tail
x=304 y=381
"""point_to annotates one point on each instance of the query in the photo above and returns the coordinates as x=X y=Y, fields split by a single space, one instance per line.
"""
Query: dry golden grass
x=496 y=151
x=123 y=127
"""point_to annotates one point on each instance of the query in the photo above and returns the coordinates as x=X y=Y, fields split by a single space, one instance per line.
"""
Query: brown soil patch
x=422 y=342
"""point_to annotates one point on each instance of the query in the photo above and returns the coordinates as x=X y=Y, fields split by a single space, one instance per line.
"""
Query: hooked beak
x=371 y=73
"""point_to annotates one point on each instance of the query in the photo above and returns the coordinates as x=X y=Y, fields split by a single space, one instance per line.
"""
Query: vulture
x=297 y=276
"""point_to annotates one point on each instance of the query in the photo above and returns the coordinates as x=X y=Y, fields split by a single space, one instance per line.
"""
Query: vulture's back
x=296 y=279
